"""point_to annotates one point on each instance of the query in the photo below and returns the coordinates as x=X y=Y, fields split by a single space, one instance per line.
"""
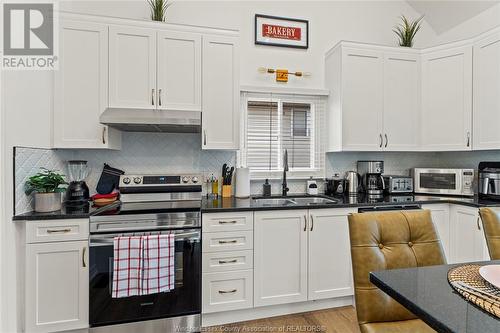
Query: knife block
x=227 y=191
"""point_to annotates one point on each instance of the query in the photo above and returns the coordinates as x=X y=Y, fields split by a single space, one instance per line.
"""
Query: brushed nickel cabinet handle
x=104 y=135
x=228 y=242
x=478 y=224
x=58 y=231
x=386 y=141
x=228 y=291
x=305 y=223
x=468 y=139
x=159 y=97
x=227 y=222
x=228 y=261
x=204 y=138
x=84 y=264
x=381 y=141
x=312 y=223
x=152 y=97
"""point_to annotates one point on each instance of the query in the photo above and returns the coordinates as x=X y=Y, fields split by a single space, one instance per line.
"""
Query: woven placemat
x=467 y=281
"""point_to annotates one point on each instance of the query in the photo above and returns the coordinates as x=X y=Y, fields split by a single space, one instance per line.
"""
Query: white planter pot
x=47 y=202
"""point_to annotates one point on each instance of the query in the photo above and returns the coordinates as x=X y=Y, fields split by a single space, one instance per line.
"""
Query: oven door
x=184 y=299
x=438 y=181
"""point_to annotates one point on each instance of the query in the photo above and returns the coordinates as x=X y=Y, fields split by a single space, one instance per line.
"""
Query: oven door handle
x=99 y=241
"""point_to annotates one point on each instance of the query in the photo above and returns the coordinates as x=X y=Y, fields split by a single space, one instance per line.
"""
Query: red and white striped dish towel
x=127 y=266
x=158 y=264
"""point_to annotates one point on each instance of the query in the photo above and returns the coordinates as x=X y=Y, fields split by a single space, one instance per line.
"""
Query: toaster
x=398 y=184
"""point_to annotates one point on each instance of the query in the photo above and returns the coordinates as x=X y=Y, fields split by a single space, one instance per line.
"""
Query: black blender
x=77 y=193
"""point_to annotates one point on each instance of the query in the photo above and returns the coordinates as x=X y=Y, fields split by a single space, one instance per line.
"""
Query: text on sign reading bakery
x=276 y=31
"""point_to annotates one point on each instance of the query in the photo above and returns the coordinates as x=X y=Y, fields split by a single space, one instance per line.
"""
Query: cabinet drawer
x=227 y=222
x=227 y=241
x=227 y=291
x=57 y=230
x=227 y=261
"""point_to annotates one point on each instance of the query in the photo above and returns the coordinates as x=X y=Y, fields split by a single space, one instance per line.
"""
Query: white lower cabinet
x=225 y=291
x=440 y=214
x=57 y=281
x=301 y=255
x=467 y=237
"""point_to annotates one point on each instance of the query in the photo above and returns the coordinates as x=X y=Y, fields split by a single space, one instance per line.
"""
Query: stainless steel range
x=151 y=204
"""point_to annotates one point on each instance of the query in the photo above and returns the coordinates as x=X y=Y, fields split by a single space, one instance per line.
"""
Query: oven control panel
x=159 y=180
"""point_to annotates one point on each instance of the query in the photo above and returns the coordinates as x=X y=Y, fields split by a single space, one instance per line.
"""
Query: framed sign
x=281 y=31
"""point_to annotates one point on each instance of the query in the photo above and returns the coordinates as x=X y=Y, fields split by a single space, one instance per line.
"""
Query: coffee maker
x=372 y=181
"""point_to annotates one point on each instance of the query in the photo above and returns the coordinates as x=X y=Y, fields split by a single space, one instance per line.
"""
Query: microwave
x=443 y=181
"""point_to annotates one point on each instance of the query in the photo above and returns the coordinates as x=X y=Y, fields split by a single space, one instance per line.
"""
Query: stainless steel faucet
x=284 y=185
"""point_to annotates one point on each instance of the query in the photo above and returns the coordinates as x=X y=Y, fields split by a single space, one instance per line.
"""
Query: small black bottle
x=266 y=189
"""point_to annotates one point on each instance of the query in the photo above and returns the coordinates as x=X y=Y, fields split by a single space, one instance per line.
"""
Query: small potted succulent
x=46 y=186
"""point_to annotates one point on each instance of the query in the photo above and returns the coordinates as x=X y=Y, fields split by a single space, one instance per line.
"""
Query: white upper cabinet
x=81 y=88
x=401 y=101
x=179 y=71
x=486 y=93
x=447 y=98
x=221 y=105
x=132 y=67
x=362 y=99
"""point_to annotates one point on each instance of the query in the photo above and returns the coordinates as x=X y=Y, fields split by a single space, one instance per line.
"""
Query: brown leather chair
x=389 y=240
x=491 y=227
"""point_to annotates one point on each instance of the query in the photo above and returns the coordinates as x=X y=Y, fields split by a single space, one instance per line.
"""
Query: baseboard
x=227 y=317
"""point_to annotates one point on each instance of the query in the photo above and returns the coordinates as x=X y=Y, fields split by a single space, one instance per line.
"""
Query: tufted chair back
x=389 y=240
x=491 y=227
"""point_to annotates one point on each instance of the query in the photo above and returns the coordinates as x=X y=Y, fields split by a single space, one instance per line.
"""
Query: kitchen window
x=275 y=123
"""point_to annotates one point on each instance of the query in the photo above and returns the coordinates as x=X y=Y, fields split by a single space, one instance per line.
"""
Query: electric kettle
x=353 y=180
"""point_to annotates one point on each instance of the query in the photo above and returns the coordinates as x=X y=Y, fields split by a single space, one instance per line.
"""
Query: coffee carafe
x=372 y=181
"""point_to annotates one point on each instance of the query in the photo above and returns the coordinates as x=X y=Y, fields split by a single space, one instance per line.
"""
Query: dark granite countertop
x=66 y=212
x=425 y=291
x=234 y=204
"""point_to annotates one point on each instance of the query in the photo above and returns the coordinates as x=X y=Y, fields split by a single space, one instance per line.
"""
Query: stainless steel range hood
x=143 y=120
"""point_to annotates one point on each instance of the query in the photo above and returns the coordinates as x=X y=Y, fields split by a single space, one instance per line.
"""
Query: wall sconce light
x=282 y=74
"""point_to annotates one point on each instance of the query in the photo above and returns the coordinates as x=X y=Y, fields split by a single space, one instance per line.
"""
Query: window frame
x=318 y=162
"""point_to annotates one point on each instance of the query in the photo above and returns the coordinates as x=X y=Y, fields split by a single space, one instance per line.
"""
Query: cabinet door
x=401 y=101
x=441 y=218
x=220 y=117
x=486 y=93
x=57 y=282
x=132 y=67
x=179 y=71
x=467 y=242
x=329 y=271
x=362 y=99
x=447 y=99
x=280 y=257
x=81 y=88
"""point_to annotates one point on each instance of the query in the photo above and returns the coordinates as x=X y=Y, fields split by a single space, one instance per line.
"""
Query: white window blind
x=274 y=124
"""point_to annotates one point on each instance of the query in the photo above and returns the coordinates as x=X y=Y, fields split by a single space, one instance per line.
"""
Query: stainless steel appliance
x=489 y=180
x=352 y=179
x=388 y=208
x=154 y=204
x=398 y=184
x=372 y=180
x=444 y=181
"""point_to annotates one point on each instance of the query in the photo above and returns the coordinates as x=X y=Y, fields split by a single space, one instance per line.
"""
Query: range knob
x=195 y=179
x=137 y=180
x=126 y=180
x=185 y=179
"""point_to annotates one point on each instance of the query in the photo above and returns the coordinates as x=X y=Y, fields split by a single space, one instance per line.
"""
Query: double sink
x=294 y=201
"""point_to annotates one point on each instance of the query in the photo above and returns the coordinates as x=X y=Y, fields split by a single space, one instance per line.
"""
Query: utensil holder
x=227 y=191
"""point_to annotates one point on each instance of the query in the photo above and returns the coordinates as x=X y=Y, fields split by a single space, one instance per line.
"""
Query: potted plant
x=158 y=9
x=46 y=186
x=407 y=30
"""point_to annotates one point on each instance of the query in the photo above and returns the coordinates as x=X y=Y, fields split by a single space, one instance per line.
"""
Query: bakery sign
x=280 y=31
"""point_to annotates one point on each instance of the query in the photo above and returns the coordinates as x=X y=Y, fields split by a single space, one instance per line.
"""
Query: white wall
x=485 y=21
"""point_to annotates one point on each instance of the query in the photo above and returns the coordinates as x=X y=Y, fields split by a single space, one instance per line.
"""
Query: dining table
x=426 y=292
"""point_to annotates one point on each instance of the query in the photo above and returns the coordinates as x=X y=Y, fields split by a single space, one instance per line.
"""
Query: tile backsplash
x=176 y=153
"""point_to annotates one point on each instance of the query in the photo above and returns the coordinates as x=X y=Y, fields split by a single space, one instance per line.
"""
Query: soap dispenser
x=266 y=189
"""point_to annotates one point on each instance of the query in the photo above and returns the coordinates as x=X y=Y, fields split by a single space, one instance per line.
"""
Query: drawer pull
x=84 y=264
x=227 y=222
x=56 y=231
x=228 y=242
x=228 y=261
x=228 y=291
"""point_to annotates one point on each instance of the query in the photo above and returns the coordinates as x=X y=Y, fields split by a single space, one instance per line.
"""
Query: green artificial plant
x=407 y=30
x=46 y=181
x=158 y=9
